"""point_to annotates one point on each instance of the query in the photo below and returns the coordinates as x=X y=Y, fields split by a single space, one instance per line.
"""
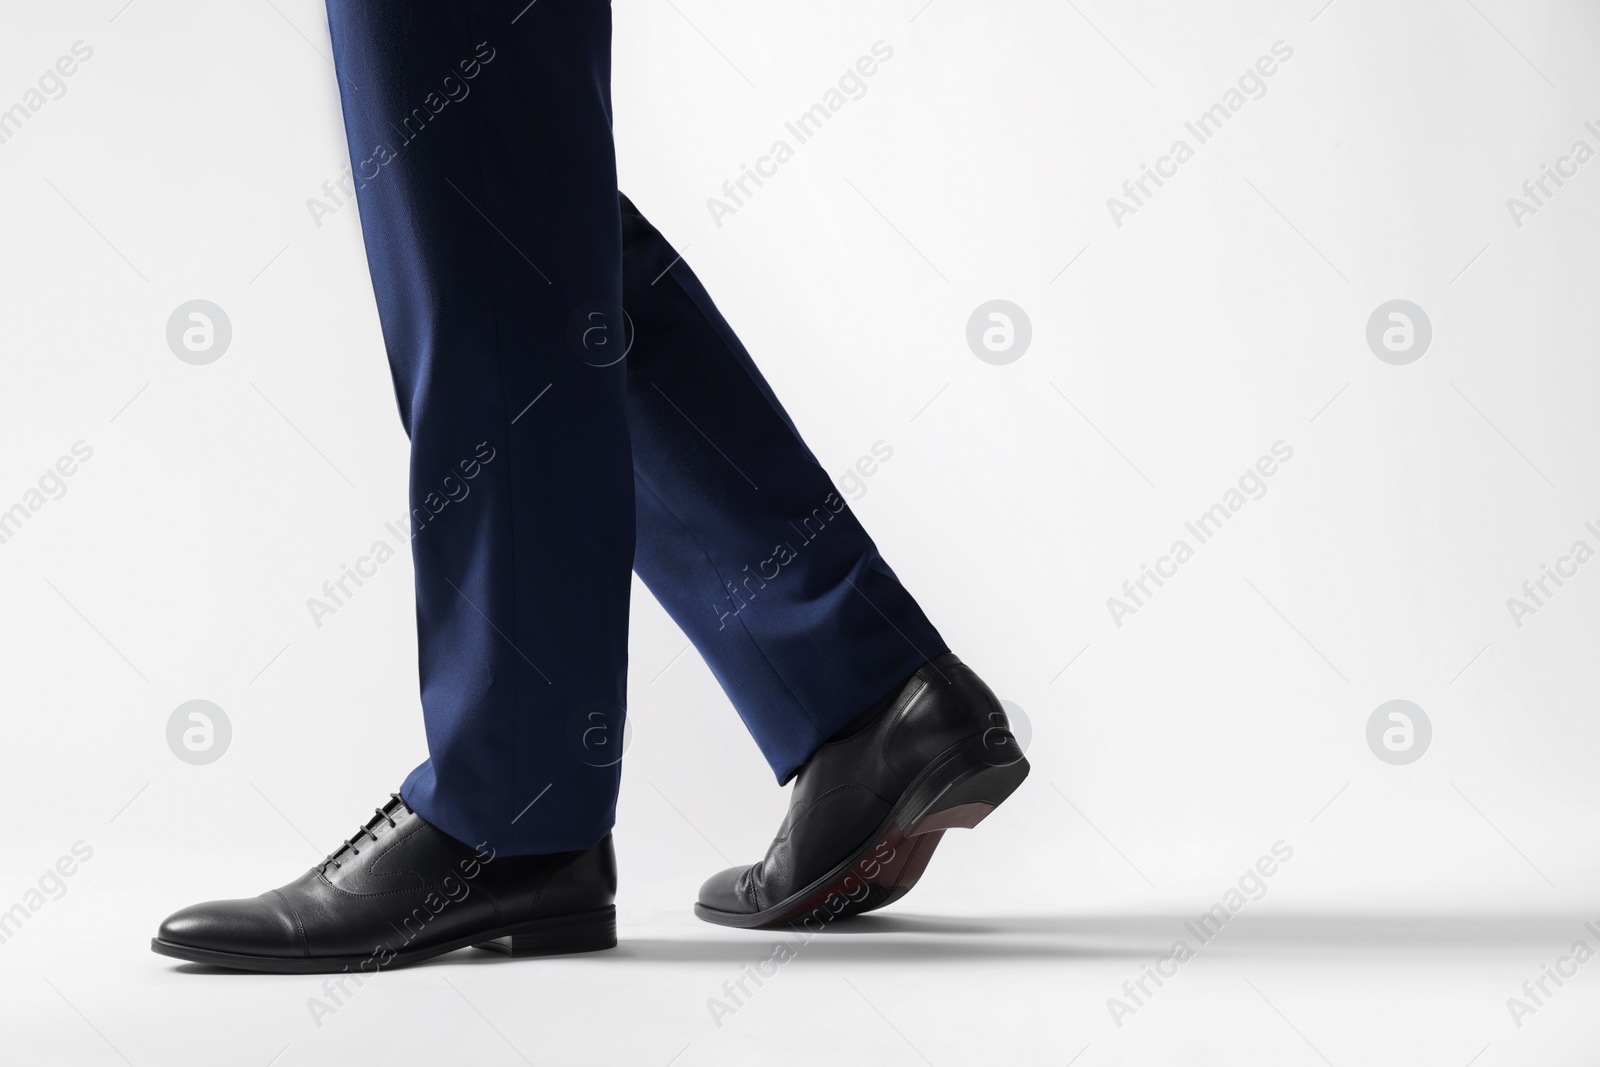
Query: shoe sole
x=589 y=931
x=957 y=790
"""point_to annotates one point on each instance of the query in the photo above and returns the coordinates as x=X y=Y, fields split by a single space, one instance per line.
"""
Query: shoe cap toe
x=729 y=891
x=260 y=926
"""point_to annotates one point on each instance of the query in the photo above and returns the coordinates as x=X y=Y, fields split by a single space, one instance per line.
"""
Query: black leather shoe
x=868 y=809
x=402 y=891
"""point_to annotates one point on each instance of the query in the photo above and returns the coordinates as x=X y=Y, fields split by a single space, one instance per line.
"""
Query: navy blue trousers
x=577 y=409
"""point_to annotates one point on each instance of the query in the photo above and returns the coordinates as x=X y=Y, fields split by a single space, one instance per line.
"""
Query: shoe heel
x=585 y=932
x=959 y=791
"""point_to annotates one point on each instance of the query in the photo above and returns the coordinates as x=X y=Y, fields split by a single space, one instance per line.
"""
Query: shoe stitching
x=797 y=817
x=305 y=944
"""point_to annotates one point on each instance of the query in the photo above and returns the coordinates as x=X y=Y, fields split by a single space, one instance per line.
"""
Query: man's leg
x=480 y=132
x=845 y=684
x=743 y=537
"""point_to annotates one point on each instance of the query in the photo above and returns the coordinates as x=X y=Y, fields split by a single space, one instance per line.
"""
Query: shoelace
x=350 y=842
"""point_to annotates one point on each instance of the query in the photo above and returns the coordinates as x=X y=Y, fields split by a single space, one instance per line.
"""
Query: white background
x=1168 y=354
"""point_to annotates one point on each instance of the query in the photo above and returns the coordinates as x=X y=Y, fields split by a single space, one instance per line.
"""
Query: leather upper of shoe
x=399 y=884
x=847 y=788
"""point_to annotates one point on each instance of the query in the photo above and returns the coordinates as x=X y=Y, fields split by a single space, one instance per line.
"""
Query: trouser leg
x=480 y=134
x=742 y=536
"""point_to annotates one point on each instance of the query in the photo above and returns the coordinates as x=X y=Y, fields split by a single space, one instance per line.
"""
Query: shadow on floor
x=911 y=938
